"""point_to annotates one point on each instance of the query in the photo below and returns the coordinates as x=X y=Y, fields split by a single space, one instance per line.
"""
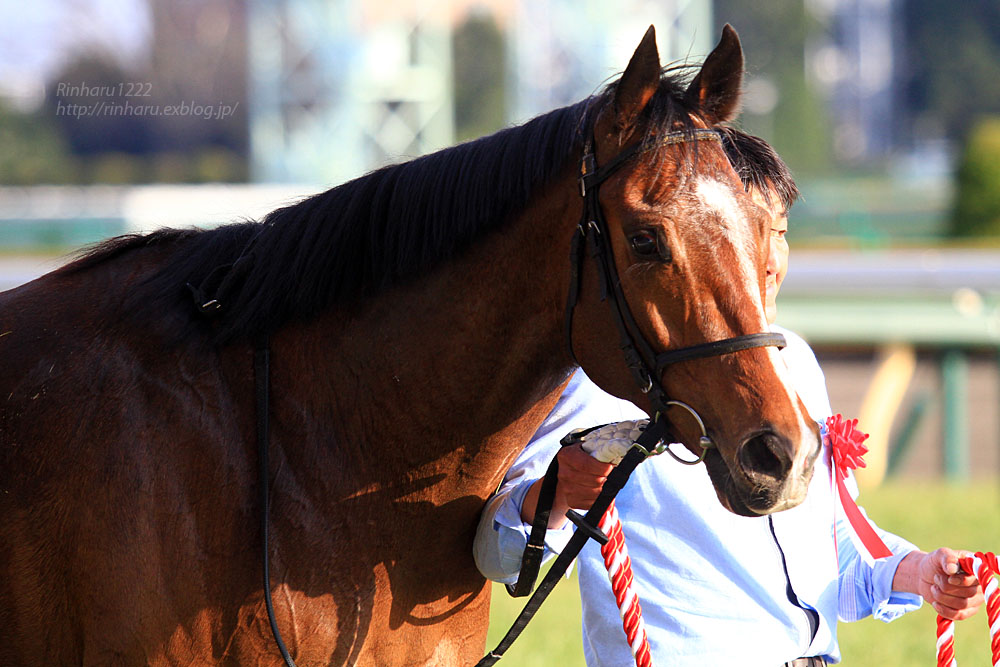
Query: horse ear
x=717 y=89
x=639 y=82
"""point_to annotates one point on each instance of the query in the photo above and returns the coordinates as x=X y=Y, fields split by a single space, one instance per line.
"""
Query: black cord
x=262 y=382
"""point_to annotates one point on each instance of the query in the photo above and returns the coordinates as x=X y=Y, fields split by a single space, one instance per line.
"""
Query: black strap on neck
x=587 y=528
x=261 y=374
x=531 y=559
x=575 y=260
x=208 y=296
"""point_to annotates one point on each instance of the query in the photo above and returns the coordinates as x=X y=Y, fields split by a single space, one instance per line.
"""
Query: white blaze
x=734 y=229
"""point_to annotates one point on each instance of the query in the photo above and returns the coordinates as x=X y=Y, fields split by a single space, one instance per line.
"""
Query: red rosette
x=846 y=442
x=847 y=450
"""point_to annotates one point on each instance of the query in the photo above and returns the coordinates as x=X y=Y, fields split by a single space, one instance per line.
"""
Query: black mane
x=347 y=244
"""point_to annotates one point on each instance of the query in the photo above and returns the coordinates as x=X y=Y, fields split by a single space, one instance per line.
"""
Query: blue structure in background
x=335 y=92
x=564 y=50
x=333 y=95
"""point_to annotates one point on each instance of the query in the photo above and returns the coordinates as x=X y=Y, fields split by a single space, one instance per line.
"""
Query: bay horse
x=415 y=321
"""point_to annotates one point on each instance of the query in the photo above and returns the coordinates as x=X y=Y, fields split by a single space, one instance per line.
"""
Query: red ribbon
x=846 y=444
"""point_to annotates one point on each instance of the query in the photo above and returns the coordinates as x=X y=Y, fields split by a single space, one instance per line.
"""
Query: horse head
x=687 y=253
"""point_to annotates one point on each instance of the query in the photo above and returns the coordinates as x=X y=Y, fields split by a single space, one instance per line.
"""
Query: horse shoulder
x=113 y=441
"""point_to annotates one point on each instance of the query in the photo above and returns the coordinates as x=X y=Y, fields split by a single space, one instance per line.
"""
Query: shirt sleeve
x=501 y=535
x=866 y=590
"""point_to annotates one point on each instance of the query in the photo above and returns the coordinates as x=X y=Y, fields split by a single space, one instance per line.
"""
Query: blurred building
x=198 y=54
x=852 y=57
x=565 y=50
x=339 y=88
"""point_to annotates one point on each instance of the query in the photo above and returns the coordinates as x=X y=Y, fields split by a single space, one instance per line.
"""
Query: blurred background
x=124 y=115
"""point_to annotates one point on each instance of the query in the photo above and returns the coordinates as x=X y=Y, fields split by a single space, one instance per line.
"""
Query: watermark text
x=121 y=89
x=127 y=108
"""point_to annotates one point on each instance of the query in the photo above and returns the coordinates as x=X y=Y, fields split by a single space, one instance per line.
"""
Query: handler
x=717 y=588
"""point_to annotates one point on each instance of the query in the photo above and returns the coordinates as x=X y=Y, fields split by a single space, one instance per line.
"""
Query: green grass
x=929 y=514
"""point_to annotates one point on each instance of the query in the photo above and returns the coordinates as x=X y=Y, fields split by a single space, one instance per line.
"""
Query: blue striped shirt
x=715 y=587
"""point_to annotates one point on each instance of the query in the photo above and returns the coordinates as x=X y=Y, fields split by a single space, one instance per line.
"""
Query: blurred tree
x=32 y=151
x=480 y=70
x=976 y=210
x=773 y=35
x=178 y=116
x=950 y=61
x=220 y=165
x=115 y=168
x=84 y=100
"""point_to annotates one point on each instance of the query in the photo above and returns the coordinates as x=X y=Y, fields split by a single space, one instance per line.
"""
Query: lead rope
x=609 y=444
x=619 y=566
x=984 y=567
x=648 y=443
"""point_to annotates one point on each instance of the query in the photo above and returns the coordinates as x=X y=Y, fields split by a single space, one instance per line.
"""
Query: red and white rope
x=984 y=566
x=609 y=444
x=619 y=566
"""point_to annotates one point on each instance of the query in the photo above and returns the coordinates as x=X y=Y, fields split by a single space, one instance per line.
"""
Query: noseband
x=645 y=364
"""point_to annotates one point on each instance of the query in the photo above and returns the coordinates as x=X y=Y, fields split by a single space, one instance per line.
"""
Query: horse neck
x=470 y=357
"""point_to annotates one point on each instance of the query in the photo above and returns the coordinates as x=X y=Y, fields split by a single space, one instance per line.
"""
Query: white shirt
x=713 y=585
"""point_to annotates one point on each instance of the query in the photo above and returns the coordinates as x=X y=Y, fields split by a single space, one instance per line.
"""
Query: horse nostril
x=765 y=454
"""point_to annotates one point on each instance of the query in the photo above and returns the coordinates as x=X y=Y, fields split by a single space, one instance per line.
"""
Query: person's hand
x=953 y=594
x=581 y=477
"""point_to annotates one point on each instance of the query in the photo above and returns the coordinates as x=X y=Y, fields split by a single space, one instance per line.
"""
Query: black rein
x=262 y=383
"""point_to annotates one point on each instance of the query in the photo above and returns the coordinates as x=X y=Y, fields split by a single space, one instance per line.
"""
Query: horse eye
x=644 y=243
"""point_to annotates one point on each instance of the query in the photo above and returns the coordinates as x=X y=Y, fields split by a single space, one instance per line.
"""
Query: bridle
x=645 y=364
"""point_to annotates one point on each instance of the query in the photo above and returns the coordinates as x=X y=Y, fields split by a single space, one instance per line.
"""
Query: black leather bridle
x=645 y=364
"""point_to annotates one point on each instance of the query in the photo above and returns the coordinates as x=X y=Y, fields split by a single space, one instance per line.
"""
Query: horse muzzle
x=767 y=473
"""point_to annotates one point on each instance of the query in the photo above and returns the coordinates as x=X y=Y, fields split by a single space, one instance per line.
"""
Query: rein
x=646 y=367
x=646 y=445
x=262 y=383
x=206 y=299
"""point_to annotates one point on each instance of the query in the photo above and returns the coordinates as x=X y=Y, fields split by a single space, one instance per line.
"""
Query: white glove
x=611 y=442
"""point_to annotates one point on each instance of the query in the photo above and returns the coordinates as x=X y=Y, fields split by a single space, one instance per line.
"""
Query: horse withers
x=415 y=319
